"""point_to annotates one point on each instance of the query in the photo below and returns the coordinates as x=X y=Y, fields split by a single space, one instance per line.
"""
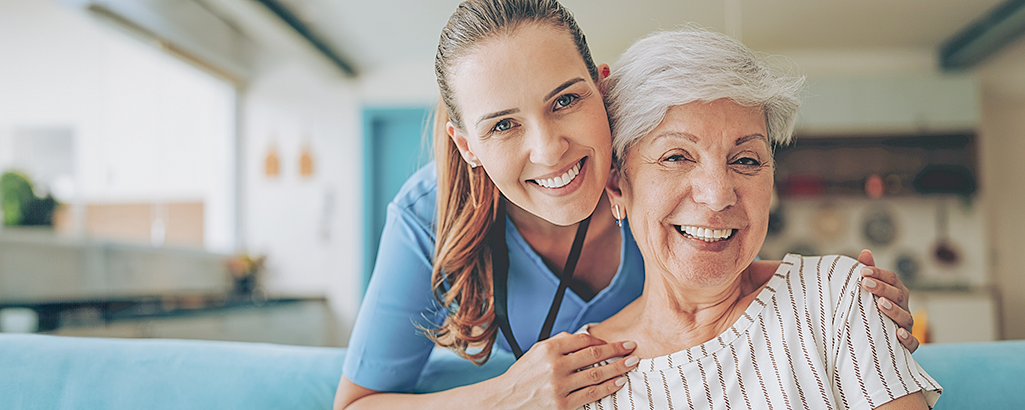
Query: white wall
x=147 y=127
x=310 y=227
x=400 y=85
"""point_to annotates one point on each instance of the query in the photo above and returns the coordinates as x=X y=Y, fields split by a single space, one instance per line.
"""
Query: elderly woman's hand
x=893 y=297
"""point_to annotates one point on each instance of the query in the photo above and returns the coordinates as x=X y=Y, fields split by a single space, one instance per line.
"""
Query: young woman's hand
x=549 y=375
x=893 y=297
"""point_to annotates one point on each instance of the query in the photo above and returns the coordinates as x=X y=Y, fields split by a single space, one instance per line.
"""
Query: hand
x=893 y=297
x=547 y=375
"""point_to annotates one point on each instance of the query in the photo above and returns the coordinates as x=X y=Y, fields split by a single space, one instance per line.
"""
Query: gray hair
x=677 y=67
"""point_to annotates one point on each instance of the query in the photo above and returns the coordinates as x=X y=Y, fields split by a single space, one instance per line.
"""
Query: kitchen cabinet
x=872 y=105
x=37 y=265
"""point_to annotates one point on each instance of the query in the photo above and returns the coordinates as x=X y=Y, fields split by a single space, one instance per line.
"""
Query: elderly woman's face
x=697 y=190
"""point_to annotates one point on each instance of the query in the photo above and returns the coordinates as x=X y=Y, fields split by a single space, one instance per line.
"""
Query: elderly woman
x=694 y=118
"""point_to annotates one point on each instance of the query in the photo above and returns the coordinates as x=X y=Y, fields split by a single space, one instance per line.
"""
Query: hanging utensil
x=945 y=252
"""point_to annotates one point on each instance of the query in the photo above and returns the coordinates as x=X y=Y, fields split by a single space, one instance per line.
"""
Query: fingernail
x=629 y=345
x=621 y=381
x=866 y=272
x=871 y=284
x=902 y=333
x=630 y=361
x=886 y=303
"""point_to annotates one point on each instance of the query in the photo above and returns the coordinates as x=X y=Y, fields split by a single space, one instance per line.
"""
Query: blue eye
x=565 y=100
x=503 y=125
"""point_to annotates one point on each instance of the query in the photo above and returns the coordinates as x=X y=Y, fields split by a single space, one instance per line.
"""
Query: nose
x=712 y=186
x=547 y=144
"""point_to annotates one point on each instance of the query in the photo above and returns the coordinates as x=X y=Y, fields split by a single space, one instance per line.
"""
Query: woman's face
x=535 y=120
x=697 y=191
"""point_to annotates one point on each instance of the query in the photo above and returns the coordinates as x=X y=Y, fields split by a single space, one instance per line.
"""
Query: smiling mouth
x=704 y=234
x=561 y=180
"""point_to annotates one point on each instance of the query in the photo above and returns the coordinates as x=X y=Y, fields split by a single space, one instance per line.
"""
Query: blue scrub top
x=388 y=350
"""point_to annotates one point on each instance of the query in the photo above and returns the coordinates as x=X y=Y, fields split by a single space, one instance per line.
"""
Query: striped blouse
x=812 y=339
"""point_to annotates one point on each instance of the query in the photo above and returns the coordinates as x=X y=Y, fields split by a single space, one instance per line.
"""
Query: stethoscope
x=500 y=278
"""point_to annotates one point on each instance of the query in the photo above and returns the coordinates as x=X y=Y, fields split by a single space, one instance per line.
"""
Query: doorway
x=397 y=142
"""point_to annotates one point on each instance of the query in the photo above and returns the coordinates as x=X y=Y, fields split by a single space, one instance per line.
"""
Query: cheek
x=500 y=163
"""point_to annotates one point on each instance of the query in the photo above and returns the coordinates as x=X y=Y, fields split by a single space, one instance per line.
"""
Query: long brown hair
x=467 y=198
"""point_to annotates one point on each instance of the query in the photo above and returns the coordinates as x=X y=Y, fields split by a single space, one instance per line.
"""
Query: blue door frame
x=396 y=142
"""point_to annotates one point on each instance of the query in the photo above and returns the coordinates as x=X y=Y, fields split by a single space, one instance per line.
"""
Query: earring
x=474 y=164
x=619 y=218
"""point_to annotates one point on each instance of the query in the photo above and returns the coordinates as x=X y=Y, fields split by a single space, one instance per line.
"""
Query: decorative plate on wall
x=879 y=227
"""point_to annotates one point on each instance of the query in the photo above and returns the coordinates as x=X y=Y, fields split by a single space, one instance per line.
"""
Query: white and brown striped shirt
x=812 y=339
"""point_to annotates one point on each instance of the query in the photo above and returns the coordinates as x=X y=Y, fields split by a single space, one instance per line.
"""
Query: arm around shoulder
x=913 y=401
x=351 y=396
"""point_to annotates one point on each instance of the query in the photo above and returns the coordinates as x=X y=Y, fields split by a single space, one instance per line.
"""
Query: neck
x=671 y=316
x=679 y=317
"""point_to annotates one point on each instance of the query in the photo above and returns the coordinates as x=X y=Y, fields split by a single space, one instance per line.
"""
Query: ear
x=615 y=188
x=460 y=140
x=603 y=73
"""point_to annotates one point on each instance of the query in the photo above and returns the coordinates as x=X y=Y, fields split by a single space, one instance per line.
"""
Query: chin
x=568 y=217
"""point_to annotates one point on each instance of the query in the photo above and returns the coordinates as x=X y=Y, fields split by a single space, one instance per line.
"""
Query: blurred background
x=219 y=169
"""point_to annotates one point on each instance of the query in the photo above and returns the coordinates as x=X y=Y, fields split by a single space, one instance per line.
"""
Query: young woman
x=521 y=139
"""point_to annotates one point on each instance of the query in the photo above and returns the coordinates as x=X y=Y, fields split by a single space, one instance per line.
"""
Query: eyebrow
x=498 y=114
x=564 y=86
x=744 y=139
x=557 y=90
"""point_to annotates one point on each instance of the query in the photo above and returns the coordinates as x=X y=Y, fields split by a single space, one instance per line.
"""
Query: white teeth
x=562 y=180
x=707 y=235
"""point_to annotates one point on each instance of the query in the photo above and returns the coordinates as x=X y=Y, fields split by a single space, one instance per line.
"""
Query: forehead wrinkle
x=674 y=134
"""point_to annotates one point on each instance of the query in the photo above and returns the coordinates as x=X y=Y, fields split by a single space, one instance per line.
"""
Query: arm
x=545 y=377
x=888 y=287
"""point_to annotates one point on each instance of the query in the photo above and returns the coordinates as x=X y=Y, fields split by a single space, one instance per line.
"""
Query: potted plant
x=245 y=270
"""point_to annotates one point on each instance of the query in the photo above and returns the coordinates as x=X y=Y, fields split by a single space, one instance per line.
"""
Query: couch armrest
x=977 y=375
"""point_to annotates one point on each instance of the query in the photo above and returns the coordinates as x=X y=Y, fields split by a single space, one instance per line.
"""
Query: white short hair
x=670 y=68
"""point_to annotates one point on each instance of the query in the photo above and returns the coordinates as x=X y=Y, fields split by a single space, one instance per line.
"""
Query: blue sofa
x=57 y=373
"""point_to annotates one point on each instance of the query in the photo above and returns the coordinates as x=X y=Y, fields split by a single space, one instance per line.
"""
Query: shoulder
x=418 y=196
x=828 y=270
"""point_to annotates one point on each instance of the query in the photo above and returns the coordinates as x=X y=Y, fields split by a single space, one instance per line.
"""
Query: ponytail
x=462 y=275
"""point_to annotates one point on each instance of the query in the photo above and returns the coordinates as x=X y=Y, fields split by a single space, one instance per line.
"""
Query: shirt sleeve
x=387 y=349
x=871 y=367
